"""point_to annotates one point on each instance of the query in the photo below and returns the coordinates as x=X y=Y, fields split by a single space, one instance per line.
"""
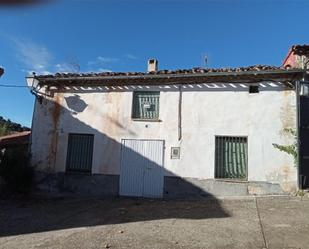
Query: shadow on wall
x=62 y=213
x=208 y=87
x=141 y=159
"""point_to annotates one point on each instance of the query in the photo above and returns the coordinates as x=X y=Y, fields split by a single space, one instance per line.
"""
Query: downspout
x=299 y=177
x=180 y=113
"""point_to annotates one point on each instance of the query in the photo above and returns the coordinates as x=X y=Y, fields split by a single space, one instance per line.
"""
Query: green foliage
x=289 y=149
x=7 y=127
x=15 y=170
x=301 y=193
x=4 y=130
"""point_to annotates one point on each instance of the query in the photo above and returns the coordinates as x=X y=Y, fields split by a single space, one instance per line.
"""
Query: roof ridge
x=257 y=67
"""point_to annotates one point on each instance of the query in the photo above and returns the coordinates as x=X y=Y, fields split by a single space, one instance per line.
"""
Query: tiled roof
x=301 y=49
x=251 y=74
x=19 y=138
x=255 y=68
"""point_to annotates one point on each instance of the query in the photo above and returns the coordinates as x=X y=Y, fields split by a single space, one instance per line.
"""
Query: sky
x=121 y=35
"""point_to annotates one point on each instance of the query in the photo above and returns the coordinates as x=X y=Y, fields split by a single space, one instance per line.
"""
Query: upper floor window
x=145 y=105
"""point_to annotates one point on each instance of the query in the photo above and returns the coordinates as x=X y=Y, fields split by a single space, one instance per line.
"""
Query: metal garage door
x=142 y=171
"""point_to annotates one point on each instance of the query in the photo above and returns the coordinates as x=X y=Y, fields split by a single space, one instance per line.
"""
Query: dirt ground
x=272 y=222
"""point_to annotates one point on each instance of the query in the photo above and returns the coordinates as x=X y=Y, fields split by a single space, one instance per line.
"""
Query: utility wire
x=16 y=86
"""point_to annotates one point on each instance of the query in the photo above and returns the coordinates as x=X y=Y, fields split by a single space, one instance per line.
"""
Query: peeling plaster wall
x=206 y=112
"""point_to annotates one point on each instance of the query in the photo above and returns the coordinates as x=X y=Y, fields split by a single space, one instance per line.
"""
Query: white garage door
x=141 y=172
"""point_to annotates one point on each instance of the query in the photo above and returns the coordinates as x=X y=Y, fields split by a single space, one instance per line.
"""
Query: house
x=297 y=57
x=165 y=133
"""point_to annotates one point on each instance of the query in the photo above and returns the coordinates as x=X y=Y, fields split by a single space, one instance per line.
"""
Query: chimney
x=152 y=65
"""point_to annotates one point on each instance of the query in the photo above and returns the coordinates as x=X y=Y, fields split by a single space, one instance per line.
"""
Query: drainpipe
x=179 y=113
x=299 y=177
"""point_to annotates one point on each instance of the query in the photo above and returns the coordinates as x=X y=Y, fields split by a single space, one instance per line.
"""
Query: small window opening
x=254 y=89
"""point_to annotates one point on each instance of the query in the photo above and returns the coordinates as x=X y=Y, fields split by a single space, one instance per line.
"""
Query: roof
x=181 y=76
x=300 y=49
x=19 y=138
x=295 y=50
x=167 y=72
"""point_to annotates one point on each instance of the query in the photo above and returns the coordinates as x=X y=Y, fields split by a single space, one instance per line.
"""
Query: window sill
x=146 y=120
x=232 y=180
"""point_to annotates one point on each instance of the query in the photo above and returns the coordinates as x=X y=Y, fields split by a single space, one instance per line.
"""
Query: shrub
x=4 y=130
x=15 y=170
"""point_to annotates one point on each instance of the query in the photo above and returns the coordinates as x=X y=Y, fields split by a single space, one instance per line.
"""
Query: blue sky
x=98 y=35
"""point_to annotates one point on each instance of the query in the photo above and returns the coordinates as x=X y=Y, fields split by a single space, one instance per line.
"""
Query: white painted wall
x=207 y=110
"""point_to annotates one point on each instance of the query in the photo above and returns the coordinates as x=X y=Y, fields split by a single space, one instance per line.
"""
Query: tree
x=4 y=130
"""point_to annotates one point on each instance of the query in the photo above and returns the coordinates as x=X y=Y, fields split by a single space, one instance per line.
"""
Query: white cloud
x=104 y=70
x=29 y=72
x=107 y=59
x=130 y=56
x=101 y=63
x=35 y=57
x=67 y=67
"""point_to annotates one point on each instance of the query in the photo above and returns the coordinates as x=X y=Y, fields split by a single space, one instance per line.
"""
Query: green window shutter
x=79 y=153
x=231 y=157
x=145 y=105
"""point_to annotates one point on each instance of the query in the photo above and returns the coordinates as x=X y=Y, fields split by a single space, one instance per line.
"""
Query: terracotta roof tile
x=18 y=138
x=165 y=72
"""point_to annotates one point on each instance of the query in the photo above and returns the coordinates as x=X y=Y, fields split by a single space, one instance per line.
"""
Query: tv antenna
x=204 y=62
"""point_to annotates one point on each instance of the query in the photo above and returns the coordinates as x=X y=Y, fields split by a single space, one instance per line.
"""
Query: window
x=79 y=153
x=145 y=105
x=231 y=157
x=254 y=89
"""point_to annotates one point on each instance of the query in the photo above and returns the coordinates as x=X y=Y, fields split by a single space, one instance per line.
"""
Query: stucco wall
x=207 y=110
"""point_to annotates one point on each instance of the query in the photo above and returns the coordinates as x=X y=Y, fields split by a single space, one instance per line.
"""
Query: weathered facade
x=166 y=133
x=298 y=57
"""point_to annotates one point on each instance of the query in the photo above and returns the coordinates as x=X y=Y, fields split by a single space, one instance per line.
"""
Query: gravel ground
x=272 y=222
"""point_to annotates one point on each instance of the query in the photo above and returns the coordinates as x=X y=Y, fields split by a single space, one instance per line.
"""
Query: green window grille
x=146 y=105
x=79 y=153
x=231 y=157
